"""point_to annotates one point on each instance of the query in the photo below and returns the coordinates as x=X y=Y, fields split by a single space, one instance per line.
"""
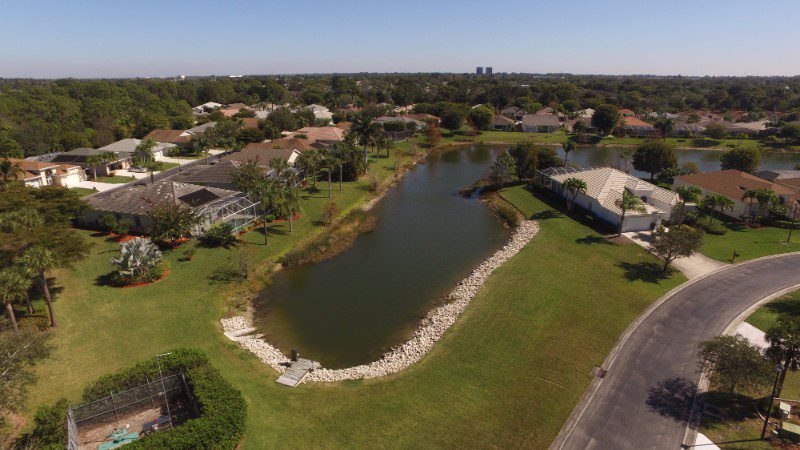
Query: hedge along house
x=134 y=203
x=604 y=186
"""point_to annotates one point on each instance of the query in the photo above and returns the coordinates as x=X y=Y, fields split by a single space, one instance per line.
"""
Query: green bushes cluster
x=220 y=235
x=507 y=213
x=716 y=229
x=223 y=411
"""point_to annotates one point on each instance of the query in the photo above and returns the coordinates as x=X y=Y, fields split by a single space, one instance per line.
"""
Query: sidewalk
x=693 y=266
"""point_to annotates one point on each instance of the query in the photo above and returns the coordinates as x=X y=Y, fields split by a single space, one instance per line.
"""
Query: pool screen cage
x=113 y=411
x=237 y=210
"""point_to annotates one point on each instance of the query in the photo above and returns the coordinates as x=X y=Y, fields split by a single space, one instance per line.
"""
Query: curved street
x=642 y=402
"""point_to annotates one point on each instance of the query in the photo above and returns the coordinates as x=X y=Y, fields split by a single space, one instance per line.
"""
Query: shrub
x=108 y=222
x=786 y=224
x=508 y=213
x=715 y=229
x=122 y=227
x=139 y=260
x=373 y=184
x=220 y=235
x=49 y=429
x=222 y=421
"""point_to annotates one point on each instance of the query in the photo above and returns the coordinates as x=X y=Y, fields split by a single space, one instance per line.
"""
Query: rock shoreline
x=430 y=330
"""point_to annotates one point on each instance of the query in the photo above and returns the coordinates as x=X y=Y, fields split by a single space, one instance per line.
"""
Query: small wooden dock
x=297 y=371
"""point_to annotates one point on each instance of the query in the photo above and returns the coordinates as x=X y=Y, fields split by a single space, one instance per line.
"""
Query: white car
x=138 y=169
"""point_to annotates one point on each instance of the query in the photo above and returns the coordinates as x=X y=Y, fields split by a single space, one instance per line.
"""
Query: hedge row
x=223 y=410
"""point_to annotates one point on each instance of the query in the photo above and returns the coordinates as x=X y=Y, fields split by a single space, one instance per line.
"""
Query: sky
x=144 y=38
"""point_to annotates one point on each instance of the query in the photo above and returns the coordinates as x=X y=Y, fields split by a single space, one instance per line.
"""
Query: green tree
x=716 y=203
x=654 y=157
x=364 y=132
x=675 y=242
x=605 y=118
x=744 y=159
x=20 y=352
x=9 y=171
x=38 y=261
x=784 y=346
x=169 y=222
x=453 y=118
x=504 y=167
x=688 y=194
x=628 y=202
x=13 y=288
x=734 y=363
x=574 y=186
x=482 y=117
x=143 y=153
x=568 y=147
x=716 y=131
x=665 y=125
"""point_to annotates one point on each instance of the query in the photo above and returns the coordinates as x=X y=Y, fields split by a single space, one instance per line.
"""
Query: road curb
x=580 y=408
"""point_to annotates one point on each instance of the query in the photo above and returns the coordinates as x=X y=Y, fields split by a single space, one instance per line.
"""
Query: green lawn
x=115 y=179
x=83 y=192
x=161 y=166
x=506 y=375
x=749 y=243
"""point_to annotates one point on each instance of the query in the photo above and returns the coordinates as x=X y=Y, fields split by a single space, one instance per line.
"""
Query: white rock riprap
x=431 y=329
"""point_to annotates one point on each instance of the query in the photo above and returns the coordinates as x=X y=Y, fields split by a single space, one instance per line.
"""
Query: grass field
x=507 y=374
x=83 y=192
x=749 y=243
x=115 y=179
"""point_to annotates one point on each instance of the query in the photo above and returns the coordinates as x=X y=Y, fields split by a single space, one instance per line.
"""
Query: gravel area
x=431 y=329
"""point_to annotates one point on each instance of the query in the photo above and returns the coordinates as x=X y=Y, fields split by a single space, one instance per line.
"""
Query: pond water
x=707 y=160
x=353 y=308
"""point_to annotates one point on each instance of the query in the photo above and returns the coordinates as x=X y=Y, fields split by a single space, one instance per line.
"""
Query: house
x=513 y=112
x=219 y=174
x=82 y=157
x=294 y=143
x=321 y=113
x=129 y=146
x=635 y=127
x=682 y=129
x=199 y=130
x=605 y=185
x=250 y=123
x=733 y=184
x=134 y=203
x=626 y=112
x=540 y=123
x=504 y=123
x=778 y=175
x=39 y=174
x=176 y=137
x=425 y=119
x=263 y=156
x=748 y=128
x=231 y=109
x=206 y=107
x=327 y=135
x=569 y=124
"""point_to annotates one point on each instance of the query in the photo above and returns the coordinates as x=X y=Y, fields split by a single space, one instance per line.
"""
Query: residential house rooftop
x=141 y=198
x=733 y=183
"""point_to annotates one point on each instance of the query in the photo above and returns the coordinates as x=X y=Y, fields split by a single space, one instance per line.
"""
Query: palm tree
x=38 y=261
x=627 y=155
x=9 y=171
x=716 y=203
x=750 y=197
x=568 y=147
x=765 y=198
x=292 y=205
x=13 y=287
x=687 y=193
x=310 y=159
x=364 y=131
x=94 y=161
x=784 y=346
x=628 y=202
x=574 y=186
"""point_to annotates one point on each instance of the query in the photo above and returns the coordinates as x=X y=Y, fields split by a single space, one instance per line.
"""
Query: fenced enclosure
x=155 y=405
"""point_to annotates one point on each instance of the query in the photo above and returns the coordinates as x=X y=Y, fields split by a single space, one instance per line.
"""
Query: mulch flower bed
x=145 y=283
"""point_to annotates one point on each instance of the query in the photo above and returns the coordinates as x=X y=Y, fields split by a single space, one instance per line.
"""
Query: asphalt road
x=643 y=401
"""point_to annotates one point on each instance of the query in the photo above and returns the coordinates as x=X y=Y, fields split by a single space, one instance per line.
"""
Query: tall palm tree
x=750 y=197
x=38 y=261
x=365 y=132
x=784 y=346
x=574 y=186
x=13 y=287
x=687 y=193
x=568 y=147
x=717 y=204
x=765 y=198
x=292 y=205
x=9 y=171
x=94 y=161
x=628 y=202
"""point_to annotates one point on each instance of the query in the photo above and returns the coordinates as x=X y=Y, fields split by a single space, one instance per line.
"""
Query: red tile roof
x=170 y=136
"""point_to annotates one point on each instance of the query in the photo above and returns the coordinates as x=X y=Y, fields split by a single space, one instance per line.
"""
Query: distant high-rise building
x=479 y=70
x=488 y=70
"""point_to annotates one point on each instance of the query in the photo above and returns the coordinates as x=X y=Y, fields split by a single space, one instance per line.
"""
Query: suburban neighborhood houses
x=583 y=236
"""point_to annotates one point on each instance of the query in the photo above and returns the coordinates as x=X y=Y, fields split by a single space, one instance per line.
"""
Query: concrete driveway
x=99 y=187
x=693 y=266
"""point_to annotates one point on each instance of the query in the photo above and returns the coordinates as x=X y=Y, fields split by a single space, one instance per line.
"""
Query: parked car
x=138 y=169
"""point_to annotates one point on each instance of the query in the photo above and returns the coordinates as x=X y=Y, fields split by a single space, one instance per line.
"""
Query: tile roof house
x=39 y=174
x=733 y=184
x=604 y=186
x=263 y=156
x=632 y=126
x=540 y=123
x=206 y=107
x=129 y=146
x=231 y=109
x=326 y=135
x=422 y=117
x=344 y=125
x=289 y=142
x=134 y=202
x=513 y=112
x=177 y=137
x=778 y=175
x=504 y=123
x=81 y=157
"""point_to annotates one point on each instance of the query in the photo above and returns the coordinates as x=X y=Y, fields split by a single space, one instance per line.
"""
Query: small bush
x=715 y=229
x=220 y=235
x=507 y=213
x=108 y=222
x=373 y=184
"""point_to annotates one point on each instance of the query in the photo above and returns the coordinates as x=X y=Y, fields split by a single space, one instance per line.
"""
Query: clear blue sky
x=110 y=38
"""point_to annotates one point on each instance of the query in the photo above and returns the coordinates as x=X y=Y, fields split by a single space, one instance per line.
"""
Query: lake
x=353 y=308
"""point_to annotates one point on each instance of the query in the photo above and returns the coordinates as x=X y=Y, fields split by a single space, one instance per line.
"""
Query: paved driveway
x=643 y=401
x=693 y=266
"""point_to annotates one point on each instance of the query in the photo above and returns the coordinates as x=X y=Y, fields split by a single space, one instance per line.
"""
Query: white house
x=205 y=107
x=605 y=185
x=128 y=146
x=39 y=174
x=321 y=113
